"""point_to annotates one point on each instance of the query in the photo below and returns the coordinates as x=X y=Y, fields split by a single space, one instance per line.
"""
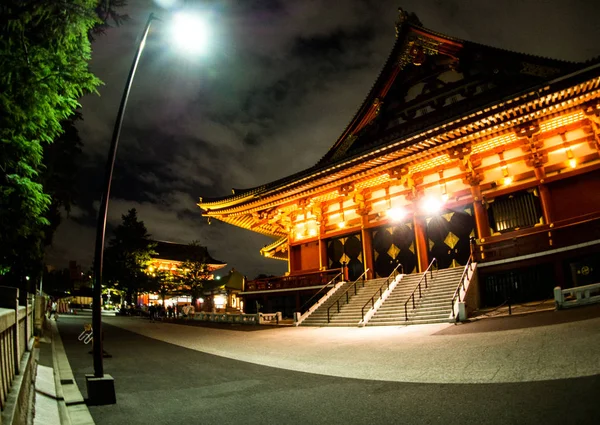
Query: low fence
x=246 y=319
x=16 y=342
x=580 y=295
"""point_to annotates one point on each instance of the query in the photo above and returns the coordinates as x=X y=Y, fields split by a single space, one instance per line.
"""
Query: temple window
x=515 y=211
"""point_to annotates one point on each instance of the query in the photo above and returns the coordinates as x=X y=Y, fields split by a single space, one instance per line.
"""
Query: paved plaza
x=402 y=354
x=529 y=369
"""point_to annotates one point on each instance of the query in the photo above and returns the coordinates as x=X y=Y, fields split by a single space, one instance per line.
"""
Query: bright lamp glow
x=432 y=205
x=573 y=163
x=190 y=33
x=396 y=214
x=220 y=301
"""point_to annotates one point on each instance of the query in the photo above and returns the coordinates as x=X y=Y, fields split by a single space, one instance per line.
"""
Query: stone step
x=427 y=316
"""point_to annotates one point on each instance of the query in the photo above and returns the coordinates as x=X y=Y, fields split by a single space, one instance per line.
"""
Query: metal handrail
x=461 y=283
x=391 y=277
x=341 y=273
x=418 y=286
x=337 y=301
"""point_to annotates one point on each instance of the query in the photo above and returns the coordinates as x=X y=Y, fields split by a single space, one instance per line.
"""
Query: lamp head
x=190 y=32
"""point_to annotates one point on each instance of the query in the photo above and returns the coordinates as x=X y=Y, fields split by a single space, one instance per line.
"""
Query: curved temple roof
x=430 y=86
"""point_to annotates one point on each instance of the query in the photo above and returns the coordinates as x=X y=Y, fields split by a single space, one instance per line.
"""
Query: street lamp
x=100 y=387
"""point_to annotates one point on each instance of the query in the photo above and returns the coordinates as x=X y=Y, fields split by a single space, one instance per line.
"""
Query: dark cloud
x=278 y=86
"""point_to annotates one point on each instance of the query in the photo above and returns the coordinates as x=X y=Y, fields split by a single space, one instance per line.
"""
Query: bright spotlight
x=432 y=205
x=190 y=33
x=396 y=214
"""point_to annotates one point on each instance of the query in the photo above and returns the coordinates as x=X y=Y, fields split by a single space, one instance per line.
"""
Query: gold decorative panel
x=393 y=251
x=451 y=240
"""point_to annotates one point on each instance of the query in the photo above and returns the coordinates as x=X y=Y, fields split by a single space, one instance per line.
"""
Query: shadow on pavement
x=542 y=318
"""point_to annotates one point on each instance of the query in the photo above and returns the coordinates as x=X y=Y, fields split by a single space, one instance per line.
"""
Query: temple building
x=168 y=257
x=460 y=151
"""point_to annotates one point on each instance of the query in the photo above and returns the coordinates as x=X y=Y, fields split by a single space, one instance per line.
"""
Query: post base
x=100 y=391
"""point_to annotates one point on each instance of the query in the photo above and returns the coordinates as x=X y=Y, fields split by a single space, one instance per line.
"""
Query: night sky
x=278 y=84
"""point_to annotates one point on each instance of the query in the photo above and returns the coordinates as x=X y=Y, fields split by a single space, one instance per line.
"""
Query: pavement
x=522 y=368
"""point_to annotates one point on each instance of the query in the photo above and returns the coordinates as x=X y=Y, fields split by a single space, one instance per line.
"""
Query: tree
x=128 y=255
x=194 y=272
x=161 y=282
x=44 y=55
x=43 y=71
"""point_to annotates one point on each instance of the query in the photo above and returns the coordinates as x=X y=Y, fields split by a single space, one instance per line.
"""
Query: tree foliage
x=161 y=282
x=44 y=58
x=128 y=256
x=194 y=273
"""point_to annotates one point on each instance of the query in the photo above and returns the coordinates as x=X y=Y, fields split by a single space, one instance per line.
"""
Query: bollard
x=558 y=297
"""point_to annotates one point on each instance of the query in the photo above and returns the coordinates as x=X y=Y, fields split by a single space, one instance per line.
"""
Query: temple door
x=393 y=245
x=449 y=235
x=347 y=251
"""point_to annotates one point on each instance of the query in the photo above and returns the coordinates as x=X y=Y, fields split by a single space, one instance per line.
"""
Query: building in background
x=459 y=150
x=168 y=258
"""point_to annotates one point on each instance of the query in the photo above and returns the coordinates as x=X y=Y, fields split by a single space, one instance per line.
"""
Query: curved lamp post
x=100 y=387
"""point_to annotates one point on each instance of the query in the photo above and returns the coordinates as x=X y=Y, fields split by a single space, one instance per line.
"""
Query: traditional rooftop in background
x=170 y=255
x=459 y=151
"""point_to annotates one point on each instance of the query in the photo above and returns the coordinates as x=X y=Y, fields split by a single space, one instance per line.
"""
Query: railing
x=418 y=286
x=337 y=302
x=587 y=294
x=244 y=319
x=316 y=278
x=533 y=240
x=16 y=331
x=327 y=286
x=461 y=284
x=380 y=291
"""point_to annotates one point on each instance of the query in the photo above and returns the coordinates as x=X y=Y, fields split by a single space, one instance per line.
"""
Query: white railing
x=16 y=332
x=579 y=295
x=246 y=319
x=384 y=296
x=459 y=305
x=299 y=318
x=269 y=318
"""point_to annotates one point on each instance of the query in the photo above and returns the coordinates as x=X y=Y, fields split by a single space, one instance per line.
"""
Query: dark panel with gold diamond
x=346 y=251
x=449 y=235
x=393 y=245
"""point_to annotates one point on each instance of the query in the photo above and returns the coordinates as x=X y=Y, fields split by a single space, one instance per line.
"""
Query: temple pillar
x=479 y=211
x=323 y=264
x=289 y=247
x=545 y=197
x=421 y=241
x=367 y=246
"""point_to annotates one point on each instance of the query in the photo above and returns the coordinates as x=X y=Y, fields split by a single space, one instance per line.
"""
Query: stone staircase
x=391 y=312
x=434 y=307
x=350 y=314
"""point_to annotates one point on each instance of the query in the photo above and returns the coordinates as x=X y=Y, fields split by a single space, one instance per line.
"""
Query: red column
x=323 y=265
x=367 y=245
x=545 y=198
x=481 y=218
x=421 y=242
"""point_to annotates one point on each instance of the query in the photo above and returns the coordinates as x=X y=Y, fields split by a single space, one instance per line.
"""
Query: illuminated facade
x=459 y=149
x=169 y=257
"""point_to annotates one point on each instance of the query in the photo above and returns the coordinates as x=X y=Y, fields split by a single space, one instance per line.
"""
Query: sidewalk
x=58 y=400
